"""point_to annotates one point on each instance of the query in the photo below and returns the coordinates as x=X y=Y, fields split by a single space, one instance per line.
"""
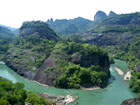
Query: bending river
x=116 y=92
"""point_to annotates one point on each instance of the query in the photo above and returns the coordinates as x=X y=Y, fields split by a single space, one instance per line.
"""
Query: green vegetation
x=14 y=94
x=6 y=36
x=81 y=65
x=65 y=27
x=75 y=76
x=37 y=54
x=39 y=28
x=120 y=35
x=135 y=82
x=29 y=51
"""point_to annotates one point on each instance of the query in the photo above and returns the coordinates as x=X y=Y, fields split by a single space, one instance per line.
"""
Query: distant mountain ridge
x=5 y=32
x=6 y=36
x=65 y=27
x=14 y=30
x=69 y=27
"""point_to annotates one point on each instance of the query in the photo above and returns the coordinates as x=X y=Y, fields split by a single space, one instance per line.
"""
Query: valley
x=92 y=62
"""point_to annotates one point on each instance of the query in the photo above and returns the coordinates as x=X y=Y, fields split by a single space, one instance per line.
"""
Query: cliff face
x=134 y=101
x=100 y=16
x=45 y=75
x=115 y=30
x=31 y=48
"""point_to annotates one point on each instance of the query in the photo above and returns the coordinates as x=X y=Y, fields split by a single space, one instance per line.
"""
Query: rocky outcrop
x=100 y=16
x=137 y=68
x=60 y=100
x=111 y=14
x=45 y=73
x=76 y=58
x=134 y=101
x=110 y=39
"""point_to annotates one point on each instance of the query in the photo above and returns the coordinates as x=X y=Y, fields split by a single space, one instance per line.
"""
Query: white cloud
x=14 y=12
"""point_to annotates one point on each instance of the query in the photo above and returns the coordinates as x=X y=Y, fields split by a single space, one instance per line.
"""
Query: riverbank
x=1 y=62
x=97 y=97
x=41 y=84
x=119 y=71
x=127 y=76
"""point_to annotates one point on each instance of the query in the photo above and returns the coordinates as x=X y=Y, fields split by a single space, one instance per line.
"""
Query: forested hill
x=38 y=28
x=6 y=36
x=4 y=32
x=70 y=27
x=38 y=54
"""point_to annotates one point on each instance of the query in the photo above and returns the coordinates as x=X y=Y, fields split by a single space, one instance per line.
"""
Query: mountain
x=6 y=36
x=37 y=55
x=120 y=35
x=115 y=30
x=39 y=28
x=66 y=27
x=112 y=14
x=10 y=28
x=100 y=16
x=14 y=30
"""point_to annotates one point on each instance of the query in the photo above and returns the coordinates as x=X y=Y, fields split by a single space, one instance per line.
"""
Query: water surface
x=113 y=94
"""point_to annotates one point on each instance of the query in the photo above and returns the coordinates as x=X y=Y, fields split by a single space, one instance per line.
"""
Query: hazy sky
x=14 y=12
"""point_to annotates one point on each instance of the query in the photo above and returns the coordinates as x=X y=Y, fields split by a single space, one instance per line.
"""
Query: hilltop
x=38 y=28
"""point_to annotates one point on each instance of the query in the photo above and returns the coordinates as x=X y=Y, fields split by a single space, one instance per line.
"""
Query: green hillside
x=14 y=94
x=6 y=36
x=66 y=27
x=37 y=54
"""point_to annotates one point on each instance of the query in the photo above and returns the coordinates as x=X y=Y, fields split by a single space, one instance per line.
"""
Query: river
x=116 y=92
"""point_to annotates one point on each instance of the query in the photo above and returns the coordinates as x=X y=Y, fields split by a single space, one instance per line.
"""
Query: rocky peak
x=112 y=14
x=100 y=16
x=50 y=20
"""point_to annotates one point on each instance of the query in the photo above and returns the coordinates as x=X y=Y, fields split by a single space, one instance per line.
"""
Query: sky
x=14 y=12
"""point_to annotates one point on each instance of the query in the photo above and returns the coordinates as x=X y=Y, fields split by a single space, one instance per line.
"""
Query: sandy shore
x=127 y=76
x=2 y=62
x=91 y=88
x=45 y=85
x=120 y=72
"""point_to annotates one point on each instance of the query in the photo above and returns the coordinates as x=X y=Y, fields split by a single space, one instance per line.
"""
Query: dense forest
x=6 y=36
x=14 y=94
